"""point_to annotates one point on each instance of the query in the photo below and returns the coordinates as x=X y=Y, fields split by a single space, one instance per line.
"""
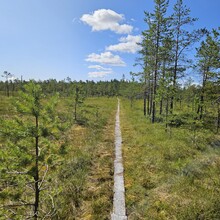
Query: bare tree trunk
x=218 y=119
x=155 y=86
x=36 y=177
x=145 y=95
x=154 y=103
x=201 y=104
x=176 y=59
x=76 y=103
x=161 y=106
x=151 y=103
x=7 y=88
x=200 y=107
x=75 y=109
x=145 y=103
x=155 y=82
x=149 y=97
x=148 y=104
x=167 y=110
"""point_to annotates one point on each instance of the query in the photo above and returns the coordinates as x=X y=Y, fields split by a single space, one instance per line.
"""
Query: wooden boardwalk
x=119 y=211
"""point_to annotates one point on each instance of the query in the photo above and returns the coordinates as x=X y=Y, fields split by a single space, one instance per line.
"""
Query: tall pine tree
x=152 y=44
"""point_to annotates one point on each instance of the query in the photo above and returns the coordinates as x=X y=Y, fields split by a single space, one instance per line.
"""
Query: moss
x=168 y=177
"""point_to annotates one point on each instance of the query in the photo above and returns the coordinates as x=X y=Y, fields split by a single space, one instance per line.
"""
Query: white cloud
x=106 y=58
x=98 y=67
x=99 y=74
x=106 y=19
x=128 y=44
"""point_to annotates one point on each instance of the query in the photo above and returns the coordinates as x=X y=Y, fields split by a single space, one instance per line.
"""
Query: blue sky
x=80 y=39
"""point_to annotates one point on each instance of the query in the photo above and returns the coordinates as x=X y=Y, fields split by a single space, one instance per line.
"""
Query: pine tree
x=7 y=76
x=152 y=41
x=29 y=140
x=208 y=55
x=182 y=40
x=79 y=97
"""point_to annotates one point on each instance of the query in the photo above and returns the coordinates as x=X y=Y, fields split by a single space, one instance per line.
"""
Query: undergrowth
x=79 y=180
x=85 y=178
x=169 y=176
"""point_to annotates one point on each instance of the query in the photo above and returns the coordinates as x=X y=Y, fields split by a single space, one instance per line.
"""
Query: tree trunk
x=201 y=104
x=149 y=96
x=75 y=109
x=145 y=103
x=145 y=94
x=167 y=110
x=151 y=102
x=161 y=106
x=36 y=177
x=7 y=88
x=148 y=103
x=218 y=119
x=200 y=107
x=76 y=103
x=171 y=104
x=155 y=76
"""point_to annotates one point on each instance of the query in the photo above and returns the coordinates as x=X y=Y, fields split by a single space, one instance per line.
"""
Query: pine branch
x=16 y=205
x=17 y=172
x=53 y=211
x=45 y=173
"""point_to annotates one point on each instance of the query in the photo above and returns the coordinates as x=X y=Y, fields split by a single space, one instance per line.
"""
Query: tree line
x=67 y=86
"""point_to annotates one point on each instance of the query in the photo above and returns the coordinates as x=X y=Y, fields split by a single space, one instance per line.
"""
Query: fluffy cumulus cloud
x=106 y=19
x=99 y=72
x=106 y=58
x=127 y=44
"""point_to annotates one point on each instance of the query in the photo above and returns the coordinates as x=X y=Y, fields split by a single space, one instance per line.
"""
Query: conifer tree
x=29 y=142
x=152 y=41
x=182 y=40
x=78 y=100
x=208 y=55
x=7 y=76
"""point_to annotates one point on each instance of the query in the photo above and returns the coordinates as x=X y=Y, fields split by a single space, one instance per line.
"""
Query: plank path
x=119 y=211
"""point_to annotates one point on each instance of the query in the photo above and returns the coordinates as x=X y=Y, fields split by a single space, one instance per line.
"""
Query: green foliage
x=34 y=128
x=169 y=177
x=84 y=178
x=73 y=175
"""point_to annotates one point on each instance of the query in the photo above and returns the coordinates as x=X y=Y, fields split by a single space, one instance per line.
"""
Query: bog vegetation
x=57 y=137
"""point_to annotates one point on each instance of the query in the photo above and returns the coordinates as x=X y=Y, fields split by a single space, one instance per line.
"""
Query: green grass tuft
x=168 y=175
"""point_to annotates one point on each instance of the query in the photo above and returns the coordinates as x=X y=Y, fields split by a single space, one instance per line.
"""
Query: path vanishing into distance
x=119 y=211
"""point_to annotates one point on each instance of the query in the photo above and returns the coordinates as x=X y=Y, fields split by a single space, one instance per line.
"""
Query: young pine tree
x=28 y=152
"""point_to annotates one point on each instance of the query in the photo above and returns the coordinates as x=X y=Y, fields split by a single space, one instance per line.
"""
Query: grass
x=168 y=177
x=92 y=145
x=79 y=181
x=6 y=107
